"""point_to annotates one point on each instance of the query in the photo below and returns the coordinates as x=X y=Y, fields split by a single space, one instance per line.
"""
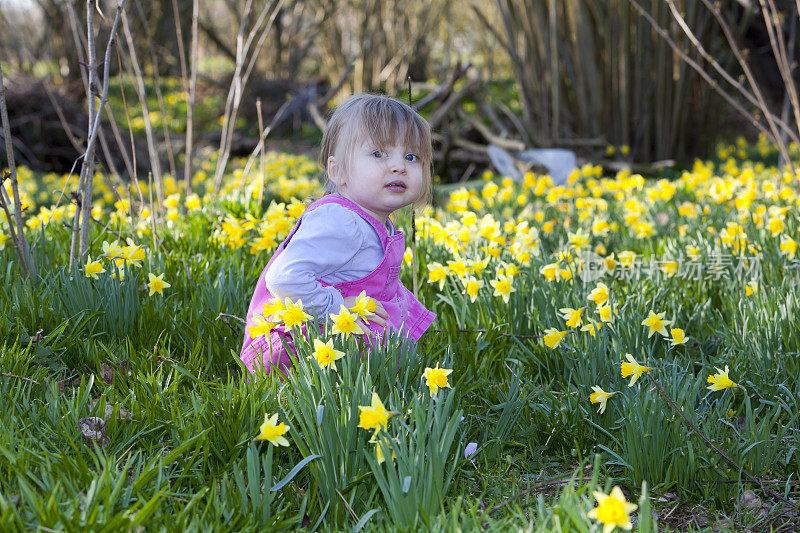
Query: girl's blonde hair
x=385 y=122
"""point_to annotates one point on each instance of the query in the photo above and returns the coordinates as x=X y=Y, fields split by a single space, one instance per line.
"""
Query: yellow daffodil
x=157 y=283
x=522 y=257
x=122 y=205
x=192 y=202
x=458 y=268
x=627 y=258
x=788 y=246
x=132 y=254
x=492 y=251
x=720 y=380
x=478 y=266
x=599 y=294
x=373 y=416
x=379 y=446
x=592 y=327
x=579 y=239
x=656 y=323
x=345 y=323
x=633 y=369
x=775 y=226
x=549 y=271
x=379 y=452
x=293 y=313
x=612 y=510
x=93 y=268
x=261 y=326
x=472 y=286
x=502 y=287
x=611 y=263
x=511 y=269
x=364 y=306
x=296 y=208
x=572 y=316
x=436 y=378
x=437 y=272
x=678 y=336
x=111 y=250
x=600 y=228
x=601 y=397
x=553 y=337
x=325 y=354
x=750 y=288
x=274 y=306
x=273 y=432
x=669 y=268
x=605 y=312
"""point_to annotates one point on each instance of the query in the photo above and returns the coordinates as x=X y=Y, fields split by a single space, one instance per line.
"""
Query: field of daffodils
x=615 y=352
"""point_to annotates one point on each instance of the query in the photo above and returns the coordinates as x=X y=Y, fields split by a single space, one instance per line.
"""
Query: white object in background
x=558 y=161
x=503 y=163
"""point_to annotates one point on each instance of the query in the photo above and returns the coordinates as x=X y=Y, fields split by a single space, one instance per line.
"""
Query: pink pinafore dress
x=406 y=313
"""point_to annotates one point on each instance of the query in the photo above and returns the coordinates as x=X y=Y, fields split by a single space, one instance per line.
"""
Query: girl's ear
x=332 y=168
x=335 y=171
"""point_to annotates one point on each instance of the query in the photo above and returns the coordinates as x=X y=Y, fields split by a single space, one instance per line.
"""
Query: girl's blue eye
x=378 y=153
x=411 y=157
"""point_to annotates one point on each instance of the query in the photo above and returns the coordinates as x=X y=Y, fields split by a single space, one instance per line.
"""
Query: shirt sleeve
x=326 y=241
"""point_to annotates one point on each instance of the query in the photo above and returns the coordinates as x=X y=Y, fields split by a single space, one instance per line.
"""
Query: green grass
x=176 y=413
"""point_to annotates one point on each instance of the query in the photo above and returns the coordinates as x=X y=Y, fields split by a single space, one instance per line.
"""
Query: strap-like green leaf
x=299 y=466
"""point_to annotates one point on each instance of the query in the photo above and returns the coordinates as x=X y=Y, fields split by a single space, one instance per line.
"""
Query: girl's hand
x=379 y=317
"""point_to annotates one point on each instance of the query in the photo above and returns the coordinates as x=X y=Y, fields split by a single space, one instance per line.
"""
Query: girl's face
x=379 y=180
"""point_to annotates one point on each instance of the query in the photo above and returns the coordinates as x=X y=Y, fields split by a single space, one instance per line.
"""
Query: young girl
x=376 y=153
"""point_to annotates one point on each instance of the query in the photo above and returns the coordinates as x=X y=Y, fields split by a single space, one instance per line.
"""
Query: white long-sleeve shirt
x=332 y=244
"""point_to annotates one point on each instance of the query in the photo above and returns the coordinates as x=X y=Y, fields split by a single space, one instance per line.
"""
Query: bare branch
x=444 y=89
x=156 y=77
x=508 y=144
x=243 y=48
x=455 y=98
x=20 y=242
x=148 y=126
x=96 y=116
x=279 y=116
x=191 y=93
x=692 y=63
x=757 y=98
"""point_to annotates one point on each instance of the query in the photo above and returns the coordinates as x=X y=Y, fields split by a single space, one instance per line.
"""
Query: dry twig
x=8 y=375
x=16 y=226
x=95 y=117
x=240 y=77
x=756 y=98
x=155 y=164
x=739 y=468
x=192 y=94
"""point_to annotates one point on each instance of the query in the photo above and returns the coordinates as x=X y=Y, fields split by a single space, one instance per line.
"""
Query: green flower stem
x=713 y=446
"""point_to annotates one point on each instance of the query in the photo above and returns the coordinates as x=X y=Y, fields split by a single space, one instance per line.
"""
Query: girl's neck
x=380 y=217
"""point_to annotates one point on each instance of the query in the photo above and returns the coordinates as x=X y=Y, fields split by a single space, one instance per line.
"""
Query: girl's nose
x=397 y=164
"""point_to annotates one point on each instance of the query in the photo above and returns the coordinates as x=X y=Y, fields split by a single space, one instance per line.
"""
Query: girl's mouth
x=396 y=186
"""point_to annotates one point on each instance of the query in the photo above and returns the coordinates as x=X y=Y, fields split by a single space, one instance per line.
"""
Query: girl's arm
x=329 y=241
